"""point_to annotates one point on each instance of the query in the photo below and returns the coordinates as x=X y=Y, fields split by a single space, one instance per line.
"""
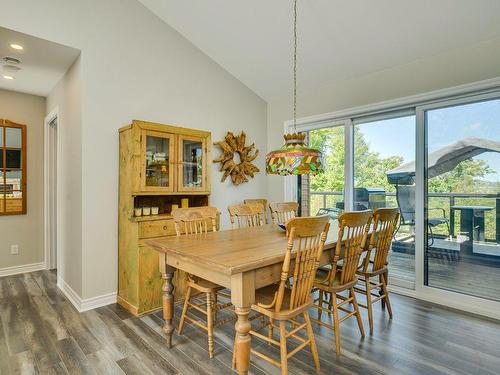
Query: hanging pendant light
x=294 y=157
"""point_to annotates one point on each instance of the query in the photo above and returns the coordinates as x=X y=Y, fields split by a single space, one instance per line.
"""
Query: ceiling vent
x=11 y=68
x=11 y=60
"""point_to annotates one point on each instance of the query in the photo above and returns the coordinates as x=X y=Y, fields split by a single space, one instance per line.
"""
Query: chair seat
x=328 y=267
x=203 y=285
x=433 y=222
x=325 y=268
x=321 y=282
x=370 y=272
x=322 y=274
x=266 y=295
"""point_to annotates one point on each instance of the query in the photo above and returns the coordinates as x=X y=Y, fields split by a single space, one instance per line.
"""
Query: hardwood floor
x=41 y=333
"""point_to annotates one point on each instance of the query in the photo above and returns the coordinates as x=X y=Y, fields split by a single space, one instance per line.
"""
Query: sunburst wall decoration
x=233 y=145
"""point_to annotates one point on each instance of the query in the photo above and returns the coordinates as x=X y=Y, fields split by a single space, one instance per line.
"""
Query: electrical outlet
x=14 y=249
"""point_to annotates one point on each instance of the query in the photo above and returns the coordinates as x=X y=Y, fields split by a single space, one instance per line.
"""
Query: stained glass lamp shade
x=294 y=158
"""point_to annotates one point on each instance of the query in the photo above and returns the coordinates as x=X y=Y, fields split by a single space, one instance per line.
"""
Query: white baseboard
x=85 y=304
x=22 y=269
x=70 y=294
x=95 y=302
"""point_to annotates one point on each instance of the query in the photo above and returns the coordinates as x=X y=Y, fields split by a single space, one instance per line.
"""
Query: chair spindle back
x=261 y=201
x=246 y=215
x=385 y=222
x=353 y=232
x=195 y=220
x=281 y=212
x=307 y=236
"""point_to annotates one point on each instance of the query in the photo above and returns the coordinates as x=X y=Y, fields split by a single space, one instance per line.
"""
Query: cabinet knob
x=164 y=227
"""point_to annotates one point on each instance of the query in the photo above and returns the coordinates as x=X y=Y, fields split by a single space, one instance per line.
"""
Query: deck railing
x=451 y=200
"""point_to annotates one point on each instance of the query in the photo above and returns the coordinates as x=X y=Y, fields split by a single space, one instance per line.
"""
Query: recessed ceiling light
x=16 y=46
x=8 y=77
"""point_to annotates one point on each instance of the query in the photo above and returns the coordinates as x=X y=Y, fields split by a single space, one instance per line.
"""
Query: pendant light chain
x=295 y=66
x=294 y=157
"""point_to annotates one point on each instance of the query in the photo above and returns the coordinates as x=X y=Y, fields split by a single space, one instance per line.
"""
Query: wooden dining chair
x=352 y=235
x=199 y=220
x=279 y=303
x=261 y=201
x=246 y=215
x=281 y=212
x=385 y=223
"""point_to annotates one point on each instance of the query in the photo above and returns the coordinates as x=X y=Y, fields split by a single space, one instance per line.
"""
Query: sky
x=391 y=137
x=444 y=126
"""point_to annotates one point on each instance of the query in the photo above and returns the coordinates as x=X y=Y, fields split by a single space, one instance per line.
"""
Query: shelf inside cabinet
x=151 y=217
x=158 y=193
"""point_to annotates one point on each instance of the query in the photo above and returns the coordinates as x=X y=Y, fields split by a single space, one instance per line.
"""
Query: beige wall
x=25 y=230
x=134 y=66
x=474 y=63
x=65 y=98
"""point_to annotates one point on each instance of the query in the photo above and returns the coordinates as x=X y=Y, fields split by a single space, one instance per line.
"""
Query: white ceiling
x=43 y=62
x=338 y=39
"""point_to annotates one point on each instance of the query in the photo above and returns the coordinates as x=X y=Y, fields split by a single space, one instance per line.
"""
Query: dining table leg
x=167 y=274
x=242 y=297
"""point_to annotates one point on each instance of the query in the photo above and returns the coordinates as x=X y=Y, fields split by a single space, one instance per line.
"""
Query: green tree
x=331 y=143
x=464 y=178
x=370 y=171
x=370 y=167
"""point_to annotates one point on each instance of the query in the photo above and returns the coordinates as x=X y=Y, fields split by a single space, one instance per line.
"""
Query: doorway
x=51 y=150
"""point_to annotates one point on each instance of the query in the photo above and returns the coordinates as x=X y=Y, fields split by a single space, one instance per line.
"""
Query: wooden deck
x=41 y=333
x=476 y=275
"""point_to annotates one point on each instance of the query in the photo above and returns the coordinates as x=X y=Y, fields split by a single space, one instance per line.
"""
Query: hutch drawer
x=156 y=228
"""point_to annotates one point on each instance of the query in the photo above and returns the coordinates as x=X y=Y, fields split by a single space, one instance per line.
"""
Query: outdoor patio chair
x=405 y=196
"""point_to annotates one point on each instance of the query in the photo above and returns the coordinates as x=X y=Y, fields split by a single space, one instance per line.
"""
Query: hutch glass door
x=157 y=154
x=192 y=164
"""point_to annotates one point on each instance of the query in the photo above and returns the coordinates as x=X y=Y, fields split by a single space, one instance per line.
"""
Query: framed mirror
x=12 y=168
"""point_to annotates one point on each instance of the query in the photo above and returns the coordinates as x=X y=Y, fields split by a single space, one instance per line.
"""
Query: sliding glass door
x=384 y=148
x=439 y=163
x=462 y=198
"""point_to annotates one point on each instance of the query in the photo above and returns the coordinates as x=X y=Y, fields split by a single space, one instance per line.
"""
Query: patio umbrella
x=444 y=159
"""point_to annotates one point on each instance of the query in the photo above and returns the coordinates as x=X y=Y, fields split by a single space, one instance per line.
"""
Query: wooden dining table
x=241 y=260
